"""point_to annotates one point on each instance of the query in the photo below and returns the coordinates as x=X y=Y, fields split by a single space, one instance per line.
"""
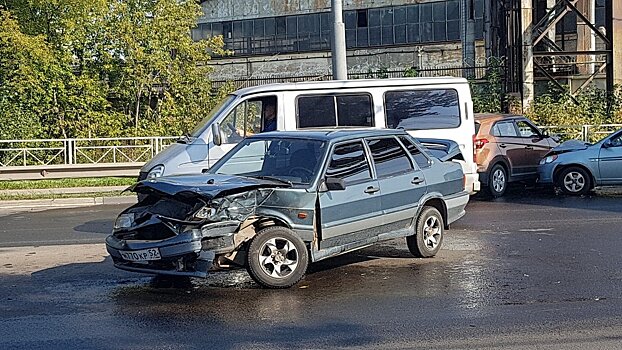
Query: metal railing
x=88 y=157
x=585 y=132
x=81 y=151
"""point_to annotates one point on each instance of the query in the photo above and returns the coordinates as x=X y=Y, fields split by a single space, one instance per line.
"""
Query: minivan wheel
x=574 y=181
x=277 y=258
x=428 y=236
x=497 y=181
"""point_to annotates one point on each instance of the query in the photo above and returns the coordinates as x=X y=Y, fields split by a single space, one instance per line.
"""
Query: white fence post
x=585 y=130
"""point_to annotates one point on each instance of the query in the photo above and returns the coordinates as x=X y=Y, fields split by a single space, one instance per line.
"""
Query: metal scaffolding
x=534 y=47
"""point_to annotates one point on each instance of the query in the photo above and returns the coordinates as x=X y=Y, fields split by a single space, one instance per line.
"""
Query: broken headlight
x=124 y=221
x=234 y=207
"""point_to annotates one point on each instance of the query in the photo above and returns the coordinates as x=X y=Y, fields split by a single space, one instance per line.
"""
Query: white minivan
x=426 y=107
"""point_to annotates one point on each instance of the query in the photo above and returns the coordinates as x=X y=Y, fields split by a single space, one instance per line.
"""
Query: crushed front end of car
x=183 y=224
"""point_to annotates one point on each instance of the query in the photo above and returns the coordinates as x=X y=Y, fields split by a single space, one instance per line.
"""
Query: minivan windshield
x=204 y=123
x=290 y=160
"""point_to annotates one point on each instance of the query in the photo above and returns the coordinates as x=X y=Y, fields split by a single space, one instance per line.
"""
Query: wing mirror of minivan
x=607 y=144
x=332 y=184
x=216 y=135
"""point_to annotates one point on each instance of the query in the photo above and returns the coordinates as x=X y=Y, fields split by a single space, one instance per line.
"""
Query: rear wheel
x=428 y=237
x=497 y=181
x=277 y=258
x=574 y=181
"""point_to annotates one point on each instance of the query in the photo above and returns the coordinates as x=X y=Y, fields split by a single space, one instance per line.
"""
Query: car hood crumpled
x=569 y=146
x=206 y=186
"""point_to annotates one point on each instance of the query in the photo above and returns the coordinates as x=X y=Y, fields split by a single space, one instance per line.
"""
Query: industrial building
x=565 y=41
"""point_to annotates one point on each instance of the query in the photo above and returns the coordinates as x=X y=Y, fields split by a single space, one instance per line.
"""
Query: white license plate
x=142 y=255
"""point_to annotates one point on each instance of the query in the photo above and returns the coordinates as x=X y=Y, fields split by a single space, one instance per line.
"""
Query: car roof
x=356 y=83
x=327 y=134
x=492 y=117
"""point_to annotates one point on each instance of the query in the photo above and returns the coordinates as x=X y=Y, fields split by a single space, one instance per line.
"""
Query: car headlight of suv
x=124 y=221
x=234 y=207
x=548 y=160
x=155 y=172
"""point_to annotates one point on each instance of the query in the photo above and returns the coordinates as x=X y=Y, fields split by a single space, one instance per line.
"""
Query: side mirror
x=607 y=144
x=546 y=133
x=216 y=135
x=332 y=184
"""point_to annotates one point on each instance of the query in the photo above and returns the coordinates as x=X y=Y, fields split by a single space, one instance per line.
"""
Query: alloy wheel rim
x=498 y=180
x=432 y=232
x=278 y=257
x=574 y=181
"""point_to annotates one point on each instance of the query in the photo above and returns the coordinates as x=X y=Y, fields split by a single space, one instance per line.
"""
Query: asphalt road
x=529 y=271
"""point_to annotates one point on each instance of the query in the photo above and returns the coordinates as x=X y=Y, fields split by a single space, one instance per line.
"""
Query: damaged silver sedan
x=279 y=201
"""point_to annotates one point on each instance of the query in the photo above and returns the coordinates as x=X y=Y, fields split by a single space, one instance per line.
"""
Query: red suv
x=507 y=148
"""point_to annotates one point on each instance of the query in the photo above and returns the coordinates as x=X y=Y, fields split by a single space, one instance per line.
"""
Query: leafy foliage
x=102 y=68
x=488 y=96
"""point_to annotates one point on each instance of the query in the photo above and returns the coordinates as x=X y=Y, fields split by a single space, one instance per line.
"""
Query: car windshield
x=295 y=161
x=204 y=123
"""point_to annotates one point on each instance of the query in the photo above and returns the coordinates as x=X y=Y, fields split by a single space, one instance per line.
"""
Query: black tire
x=497 y=181
x=428 y=237
x=272 y=262
x=574 y=181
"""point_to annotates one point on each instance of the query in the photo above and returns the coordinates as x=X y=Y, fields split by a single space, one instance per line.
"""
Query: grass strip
x=4 y=197
x=66 y=183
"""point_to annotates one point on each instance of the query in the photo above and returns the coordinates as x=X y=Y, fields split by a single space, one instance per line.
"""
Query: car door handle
x=372 y=189
x=417 y=180
x=503 y=145
x=528 y=147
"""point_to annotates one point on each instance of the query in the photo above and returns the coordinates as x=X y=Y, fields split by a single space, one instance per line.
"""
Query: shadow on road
x=103 y=226
x=603 y=199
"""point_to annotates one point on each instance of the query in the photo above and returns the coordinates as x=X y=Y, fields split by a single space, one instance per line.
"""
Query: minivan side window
x=348 y=162
x=420 y=158
x=334 y=110
x=422 y=109
x=389 y=157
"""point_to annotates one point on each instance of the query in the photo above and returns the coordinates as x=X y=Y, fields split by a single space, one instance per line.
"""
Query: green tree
x=112 y=67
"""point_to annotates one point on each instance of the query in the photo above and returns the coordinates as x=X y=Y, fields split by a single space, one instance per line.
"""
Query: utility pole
x=468 y=37
x=340 y=66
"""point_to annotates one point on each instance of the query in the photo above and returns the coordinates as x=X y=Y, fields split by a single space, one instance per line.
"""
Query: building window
x=429 y=22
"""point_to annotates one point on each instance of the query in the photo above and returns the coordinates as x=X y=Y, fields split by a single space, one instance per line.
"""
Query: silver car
x=279 y=201
x=577 y=167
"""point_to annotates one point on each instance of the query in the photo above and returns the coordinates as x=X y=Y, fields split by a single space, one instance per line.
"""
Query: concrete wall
x=319 y=63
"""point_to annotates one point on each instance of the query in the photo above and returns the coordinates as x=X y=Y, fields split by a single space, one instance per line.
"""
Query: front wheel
x=574 y=181
x=426 y=241
x=277 y=258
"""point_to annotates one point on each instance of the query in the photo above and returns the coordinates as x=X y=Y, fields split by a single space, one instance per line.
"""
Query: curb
x=66 y=202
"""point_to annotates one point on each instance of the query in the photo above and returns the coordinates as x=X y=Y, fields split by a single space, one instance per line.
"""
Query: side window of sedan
x=389 y=157
x=616 y=141
x=420 y=158
x=349 y=163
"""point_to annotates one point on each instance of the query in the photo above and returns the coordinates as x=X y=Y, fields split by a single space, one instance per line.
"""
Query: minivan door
x=353 y=214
